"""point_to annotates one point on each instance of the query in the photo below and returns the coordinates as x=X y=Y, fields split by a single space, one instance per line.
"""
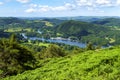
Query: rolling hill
x=101 y=64
x=78 y=28
x=9 y=20
x=89 y=32
x=108 y=22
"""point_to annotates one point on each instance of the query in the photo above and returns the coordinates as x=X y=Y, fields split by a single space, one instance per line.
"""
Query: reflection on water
x=82 y=45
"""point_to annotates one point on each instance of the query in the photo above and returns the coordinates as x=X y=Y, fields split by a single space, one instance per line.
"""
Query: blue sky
x=59 y=8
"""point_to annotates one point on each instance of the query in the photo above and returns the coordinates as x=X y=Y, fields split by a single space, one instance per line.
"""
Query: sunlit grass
x=44 y=44
x=18 y=29
x=91 y=65
x=48 y=23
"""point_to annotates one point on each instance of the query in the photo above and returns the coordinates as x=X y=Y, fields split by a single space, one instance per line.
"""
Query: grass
x=90 y=65
x=48 y=23
x=18 y=29
x=59 y=34
x=44 y=44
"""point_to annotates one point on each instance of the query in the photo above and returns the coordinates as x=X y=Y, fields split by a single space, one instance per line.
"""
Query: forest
x=32 y=49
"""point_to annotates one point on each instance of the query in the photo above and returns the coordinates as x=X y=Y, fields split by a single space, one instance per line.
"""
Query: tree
x=52 y=51
x=14 y=58
x=89 y=46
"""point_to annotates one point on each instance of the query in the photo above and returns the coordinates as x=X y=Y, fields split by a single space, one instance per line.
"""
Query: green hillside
x=9 y=20
x=108 y=22
x=78 y=28
x=101 y=64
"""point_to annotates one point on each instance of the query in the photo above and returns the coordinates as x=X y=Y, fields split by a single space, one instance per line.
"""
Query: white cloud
x=95 y=5
x=93 y=9
x=84 y=2
x=23 y=1
x=103 y=2
x=67 y=6
x=45 y=8
x=70 y=6
x=118 y=2
x=33 y=5
x=91 y=5
x=1 y=3
x=30 y=10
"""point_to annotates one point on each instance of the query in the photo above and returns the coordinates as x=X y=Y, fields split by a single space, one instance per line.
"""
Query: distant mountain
x=26 y=22
x=108 y=22
x=9 y=20
x=78 y=28
x=78 y=18
x=86 y=18
x=54 y=20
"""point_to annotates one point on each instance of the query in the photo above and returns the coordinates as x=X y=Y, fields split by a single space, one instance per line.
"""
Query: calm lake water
x=81 y=45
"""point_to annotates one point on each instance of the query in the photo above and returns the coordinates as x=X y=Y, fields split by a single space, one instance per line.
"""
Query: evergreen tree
x=89 y=46
x=52 y=51
x=14 y=58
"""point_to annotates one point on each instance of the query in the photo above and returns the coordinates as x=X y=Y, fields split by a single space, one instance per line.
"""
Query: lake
x=68 y=42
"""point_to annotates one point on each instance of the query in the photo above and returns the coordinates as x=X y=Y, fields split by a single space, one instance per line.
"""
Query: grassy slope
x=91 y=65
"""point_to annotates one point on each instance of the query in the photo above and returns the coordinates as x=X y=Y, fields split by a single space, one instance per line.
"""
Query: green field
x=101 y=64
x=48 y=23
x=44 y=44
x=18 y=29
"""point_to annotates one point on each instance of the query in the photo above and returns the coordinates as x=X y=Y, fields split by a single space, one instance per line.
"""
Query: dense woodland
x=25 y=59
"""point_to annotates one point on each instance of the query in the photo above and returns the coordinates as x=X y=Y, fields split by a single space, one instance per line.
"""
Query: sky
x=59 y=8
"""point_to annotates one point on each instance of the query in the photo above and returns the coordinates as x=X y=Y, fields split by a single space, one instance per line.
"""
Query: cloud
x=118 y=2
x=23 y=1
x=67 y=6
x=30 y=10
x=94 y=3
x=103 y=2
x=33 y=5
x=45 y=8
x=1 y=3
x=95 y=10
x=90 y=5
x=84 y=3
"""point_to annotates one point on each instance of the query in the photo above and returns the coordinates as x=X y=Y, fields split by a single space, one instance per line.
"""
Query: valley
x=59 y=48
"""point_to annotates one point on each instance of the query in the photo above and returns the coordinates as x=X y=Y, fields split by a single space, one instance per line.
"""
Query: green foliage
x=108 y=22
x=78 y=28
x=89 y=46
x=4 y=34
x=97 y=65
x=52 y=51
x=14 y=58
x=95 y=32
x=85 y=32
